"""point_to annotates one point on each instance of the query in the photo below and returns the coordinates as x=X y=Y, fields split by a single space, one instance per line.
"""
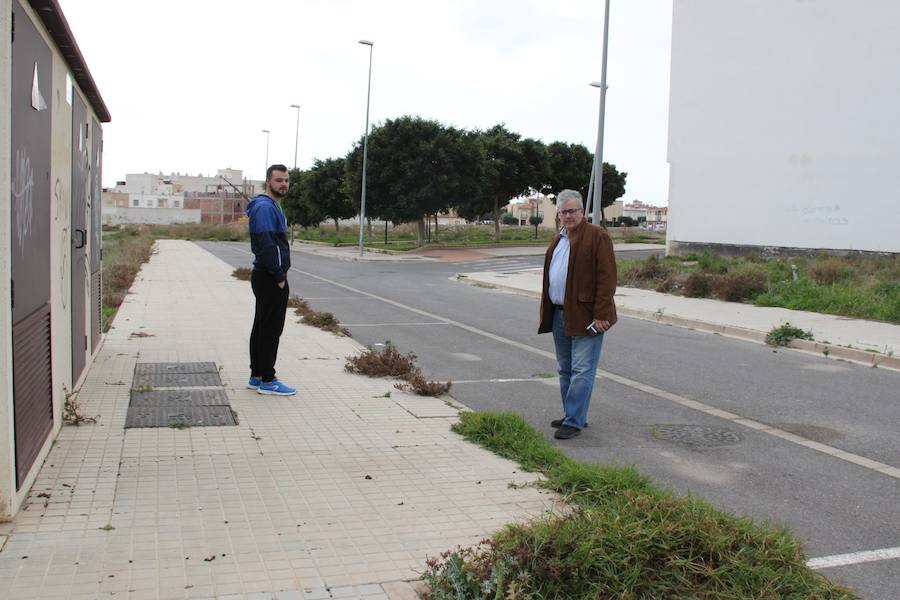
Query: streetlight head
x=266 y=131
x=596 y=84
x=295 y=106
x=366 y=43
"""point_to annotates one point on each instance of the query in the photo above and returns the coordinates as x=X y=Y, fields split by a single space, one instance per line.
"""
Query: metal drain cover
x=166 y=380
x=180 y=397
x=179 y=416
x=695 y=436
x=170 y=406
x=179 y=367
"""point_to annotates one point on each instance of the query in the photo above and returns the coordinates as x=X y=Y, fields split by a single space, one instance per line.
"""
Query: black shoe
x=566 y=432
x=557 y=423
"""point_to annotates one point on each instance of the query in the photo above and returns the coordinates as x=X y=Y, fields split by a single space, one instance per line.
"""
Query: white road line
x=523 y=379
x=386 y=324
x=854 y=558
x=856 y=459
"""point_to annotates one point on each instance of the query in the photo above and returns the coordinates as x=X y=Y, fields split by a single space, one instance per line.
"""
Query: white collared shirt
x=559 y=269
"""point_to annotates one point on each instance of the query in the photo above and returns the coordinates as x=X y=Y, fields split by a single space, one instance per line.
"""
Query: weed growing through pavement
x=107 y=527
x=389 y=362
x=72 y=410
x=141 y=389
x=323 y=320
x=179 y=425
x=784 y=334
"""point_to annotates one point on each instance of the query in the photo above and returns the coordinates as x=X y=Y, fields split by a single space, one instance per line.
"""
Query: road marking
x=856 y=459
x=510 y=380
x=385 y=324
x=854 y=558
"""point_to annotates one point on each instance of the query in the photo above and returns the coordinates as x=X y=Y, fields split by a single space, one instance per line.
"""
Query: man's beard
x=276 y=194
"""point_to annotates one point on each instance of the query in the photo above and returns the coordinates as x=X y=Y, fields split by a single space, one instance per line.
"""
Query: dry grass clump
x=829 y=271
x=242 y=273
x=323 y=320
x=697 y=284
x=388 y=362
x=125 y=250
x=741 y=285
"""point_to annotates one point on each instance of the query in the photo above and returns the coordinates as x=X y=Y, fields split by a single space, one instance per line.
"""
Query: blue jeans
x=577 y=358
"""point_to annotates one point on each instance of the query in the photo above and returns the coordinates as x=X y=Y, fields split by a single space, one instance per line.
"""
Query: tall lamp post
x=362 y=202
x=597 y=178
x=297 y=134
x=267 y=132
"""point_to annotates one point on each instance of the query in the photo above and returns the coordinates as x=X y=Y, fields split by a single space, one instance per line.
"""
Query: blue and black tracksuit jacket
x=268 y=237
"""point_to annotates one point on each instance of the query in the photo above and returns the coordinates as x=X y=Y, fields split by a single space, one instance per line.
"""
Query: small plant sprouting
x=107 y=527
x=544 y=375
x=784 y=334
x=179 y=425
x=142 y=389
x=242 y=273
x=72 y=410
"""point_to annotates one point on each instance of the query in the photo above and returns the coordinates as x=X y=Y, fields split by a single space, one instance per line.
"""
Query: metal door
x=94 y=230
x=30 y=233
x=81 y=185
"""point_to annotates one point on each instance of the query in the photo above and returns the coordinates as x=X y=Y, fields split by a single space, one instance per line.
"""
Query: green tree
x=299 y=208
x=511 y=167
x=415 y=167
x=612 y=188
x=323 y=187
x=569 y=167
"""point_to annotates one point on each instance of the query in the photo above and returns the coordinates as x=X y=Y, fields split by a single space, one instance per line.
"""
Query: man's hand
x=281 y=284
x=601 y=326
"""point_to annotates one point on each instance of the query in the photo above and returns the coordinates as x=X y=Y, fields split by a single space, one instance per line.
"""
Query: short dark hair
x=274 y=168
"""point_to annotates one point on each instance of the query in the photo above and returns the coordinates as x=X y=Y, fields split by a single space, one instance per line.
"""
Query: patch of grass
x=544 y=375
x=125 y=250
x=179 y=425
x=227 y=232
x=622 y=538
x=783 y=334
x=107 y=527
x=865 y=287
x=389 y=362
x=323 y=320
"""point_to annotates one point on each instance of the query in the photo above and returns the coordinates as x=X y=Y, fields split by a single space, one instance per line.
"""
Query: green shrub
x=697 y=284
x=783 y=334
x=713 y=263
x=741 y=285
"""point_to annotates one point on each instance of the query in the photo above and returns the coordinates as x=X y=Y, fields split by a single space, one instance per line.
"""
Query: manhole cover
x=180 y=397
x=167 y=380
x=179 y=416
x=178 y=367
x=696 y=435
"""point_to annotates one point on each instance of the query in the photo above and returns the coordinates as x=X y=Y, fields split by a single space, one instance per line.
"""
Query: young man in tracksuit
x=271 y=263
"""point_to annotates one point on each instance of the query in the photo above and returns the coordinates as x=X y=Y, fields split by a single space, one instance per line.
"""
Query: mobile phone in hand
x=591 y=329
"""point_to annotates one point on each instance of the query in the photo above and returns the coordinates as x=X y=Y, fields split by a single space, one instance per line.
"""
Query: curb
x=855 y=355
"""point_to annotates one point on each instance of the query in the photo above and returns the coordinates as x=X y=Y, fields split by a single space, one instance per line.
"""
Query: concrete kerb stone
x=855 y=355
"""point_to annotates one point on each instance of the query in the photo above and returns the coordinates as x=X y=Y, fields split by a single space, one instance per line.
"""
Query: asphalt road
x=485 y=342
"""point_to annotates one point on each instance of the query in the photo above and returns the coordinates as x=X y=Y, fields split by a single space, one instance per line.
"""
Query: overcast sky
x=191 y=84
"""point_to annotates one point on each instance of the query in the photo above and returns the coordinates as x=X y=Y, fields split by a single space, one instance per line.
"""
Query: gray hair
x=569 y=196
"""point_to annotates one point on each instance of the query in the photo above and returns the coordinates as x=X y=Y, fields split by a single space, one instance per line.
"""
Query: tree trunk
x=369 y=219
x=420 y=231
x=385 y=233
x=435 y=227
x=337 y=232
x=496 y=219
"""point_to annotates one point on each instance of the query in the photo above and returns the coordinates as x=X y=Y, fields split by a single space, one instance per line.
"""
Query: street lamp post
x=297 y=134
x=597 y=178
x=362 y=202
x=267 y=132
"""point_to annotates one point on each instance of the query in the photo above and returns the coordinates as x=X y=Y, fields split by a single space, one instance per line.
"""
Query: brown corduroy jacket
x=590 y=282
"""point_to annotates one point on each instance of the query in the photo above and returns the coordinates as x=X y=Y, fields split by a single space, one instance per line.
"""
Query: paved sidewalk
x=867 y=342
x=338 y=492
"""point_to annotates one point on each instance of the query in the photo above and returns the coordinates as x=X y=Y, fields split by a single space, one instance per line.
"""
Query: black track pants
x=268 y=323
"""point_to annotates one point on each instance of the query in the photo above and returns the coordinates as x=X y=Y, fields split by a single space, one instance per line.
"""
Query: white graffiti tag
x=23 y=184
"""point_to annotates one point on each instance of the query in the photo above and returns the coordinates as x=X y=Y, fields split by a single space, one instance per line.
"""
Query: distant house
x=51 y=146
x=177 y=198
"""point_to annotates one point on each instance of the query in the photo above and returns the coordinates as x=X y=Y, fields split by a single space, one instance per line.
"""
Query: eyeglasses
x=570 y=211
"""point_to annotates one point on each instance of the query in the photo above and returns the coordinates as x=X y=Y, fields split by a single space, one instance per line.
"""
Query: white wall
x=784 y=126
x=157 y=216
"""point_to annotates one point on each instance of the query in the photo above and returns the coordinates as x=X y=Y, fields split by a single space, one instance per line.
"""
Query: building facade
x=783 y=123
x=51 y=147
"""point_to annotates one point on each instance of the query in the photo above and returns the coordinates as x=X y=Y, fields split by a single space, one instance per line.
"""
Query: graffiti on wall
x=22 y=188
x=61 y=196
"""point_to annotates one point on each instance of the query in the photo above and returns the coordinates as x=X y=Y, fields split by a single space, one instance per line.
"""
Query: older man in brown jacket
x=577 y=306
